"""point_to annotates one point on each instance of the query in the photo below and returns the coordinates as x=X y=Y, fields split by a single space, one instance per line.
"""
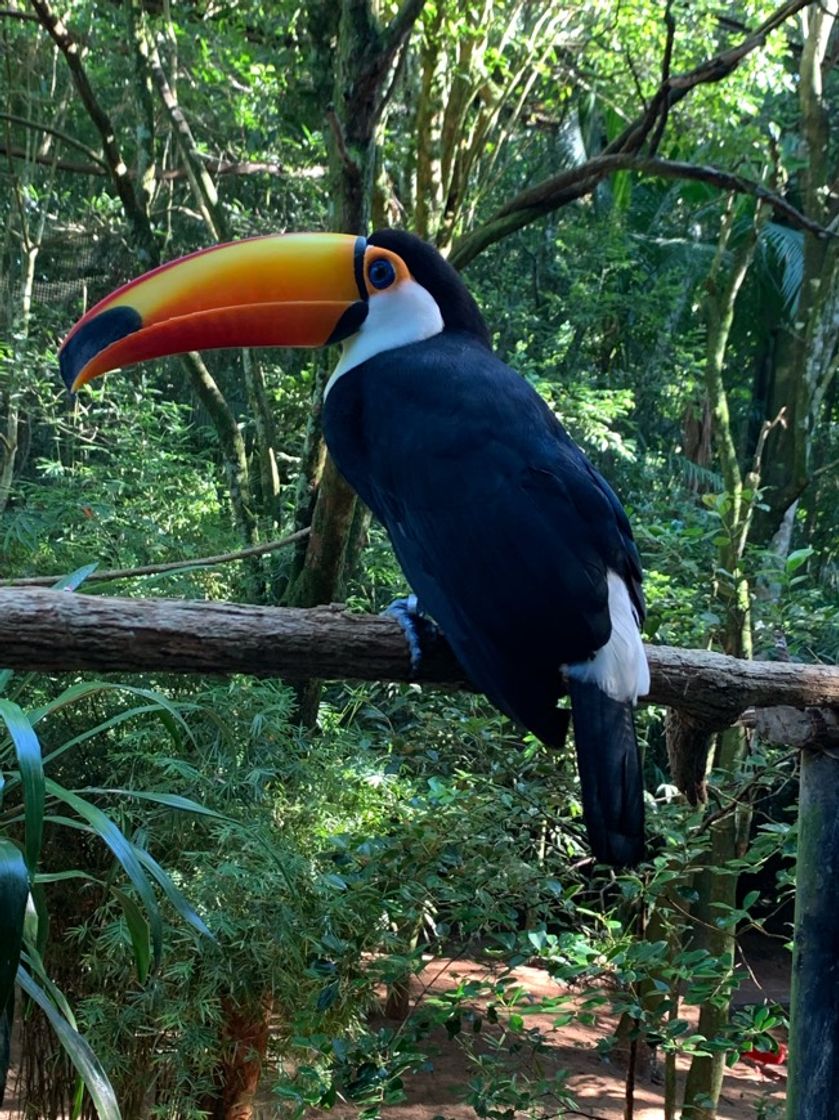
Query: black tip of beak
x=349 y=322
x=91 y=338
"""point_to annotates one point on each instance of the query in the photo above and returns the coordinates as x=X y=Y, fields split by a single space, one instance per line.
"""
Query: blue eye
x=381 y=273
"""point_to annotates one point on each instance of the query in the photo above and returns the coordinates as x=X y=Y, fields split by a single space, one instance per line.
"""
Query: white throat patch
x=403 y=314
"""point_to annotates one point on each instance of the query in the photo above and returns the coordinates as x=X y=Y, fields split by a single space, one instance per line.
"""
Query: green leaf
x=125 y=853
x=138 y=930
x=796 y=558
x=621 y=191
x=88 y=688
x=174 y=896
x=14 y=891
x=170 y=800
x=31 y=768
x=77 y=1049
x=114 y=721
x=75 y=579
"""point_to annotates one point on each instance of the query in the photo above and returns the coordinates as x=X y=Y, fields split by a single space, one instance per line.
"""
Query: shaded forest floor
x=596 y=1082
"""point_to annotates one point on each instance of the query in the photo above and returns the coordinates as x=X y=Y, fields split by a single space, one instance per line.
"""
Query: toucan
x=513 y=544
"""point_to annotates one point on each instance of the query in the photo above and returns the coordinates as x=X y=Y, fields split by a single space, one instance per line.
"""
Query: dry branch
x=217 y=165
x=111 y=574
x=58 y=631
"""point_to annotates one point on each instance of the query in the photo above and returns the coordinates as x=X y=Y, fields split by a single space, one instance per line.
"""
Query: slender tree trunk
x=9 y=445
x=364 y=65
x=717 y=891
x=808 y=349
x=729 y=836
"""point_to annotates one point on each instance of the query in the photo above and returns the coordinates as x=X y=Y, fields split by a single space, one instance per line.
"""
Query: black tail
x=610 y=774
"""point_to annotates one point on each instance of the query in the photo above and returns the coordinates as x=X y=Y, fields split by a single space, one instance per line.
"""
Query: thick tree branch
x=15 y=13
x=57 y=631
x=559 y=190
x=569 y=185
x=401 y=25
x=14 y=152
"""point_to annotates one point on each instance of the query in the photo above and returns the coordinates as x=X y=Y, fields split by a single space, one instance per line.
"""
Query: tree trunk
x=717 y=890
x=806 y=355
x=363 y=65
x=243 y=1045
x=729 y=836
x=8 y=447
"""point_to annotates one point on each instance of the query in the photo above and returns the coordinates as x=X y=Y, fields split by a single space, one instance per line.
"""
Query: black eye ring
x=381 y=273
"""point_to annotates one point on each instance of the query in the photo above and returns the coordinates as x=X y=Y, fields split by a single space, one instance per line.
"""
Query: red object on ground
x=767 y=1057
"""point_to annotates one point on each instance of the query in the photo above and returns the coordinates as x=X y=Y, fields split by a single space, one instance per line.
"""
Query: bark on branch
x=215 y=164
x=57 y=631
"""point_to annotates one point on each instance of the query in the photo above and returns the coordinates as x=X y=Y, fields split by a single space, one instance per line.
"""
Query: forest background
x=642 y=197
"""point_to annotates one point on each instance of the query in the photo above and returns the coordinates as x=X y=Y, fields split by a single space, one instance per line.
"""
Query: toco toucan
x=512 y=542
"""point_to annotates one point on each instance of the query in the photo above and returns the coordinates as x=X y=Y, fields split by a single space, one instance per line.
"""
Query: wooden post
x=813 y=1089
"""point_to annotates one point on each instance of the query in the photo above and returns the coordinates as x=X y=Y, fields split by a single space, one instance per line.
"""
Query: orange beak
x=296 y=289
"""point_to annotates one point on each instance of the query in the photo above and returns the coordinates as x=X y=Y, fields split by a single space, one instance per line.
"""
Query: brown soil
x=597 y=1083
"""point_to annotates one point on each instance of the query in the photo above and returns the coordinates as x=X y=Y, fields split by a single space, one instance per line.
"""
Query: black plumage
x=503 y=529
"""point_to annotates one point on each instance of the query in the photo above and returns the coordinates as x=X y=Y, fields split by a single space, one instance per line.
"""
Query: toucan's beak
x=297 y=289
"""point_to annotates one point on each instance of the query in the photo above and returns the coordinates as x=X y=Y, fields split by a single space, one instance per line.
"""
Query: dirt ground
x=596 y=1083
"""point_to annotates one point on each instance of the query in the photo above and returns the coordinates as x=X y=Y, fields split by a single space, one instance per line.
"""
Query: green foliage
x=191 y=855
x=34 y=805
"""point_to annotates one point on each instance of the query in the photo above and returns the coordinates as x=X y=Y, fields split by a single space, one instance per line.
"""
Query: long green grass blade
x=115 y=721
x=125 y=853
x=88 y=688
x=31 y=767
x=176 y=898
x=170 y=800
x=138 y=931
x=34 y=962
x=75 y=579
x=62 y=876
x=77 y=1049
x=14 y=891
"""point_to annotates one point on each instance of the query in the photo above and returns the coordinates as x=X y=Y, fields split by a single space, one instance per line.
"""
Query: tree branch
x=58 y=631
x=559 y=190
x=15 y=13
x=157 y=569
x=69 y=47
x=670 y=24
x=215 y=164
x=36 y=126
x=573 y=183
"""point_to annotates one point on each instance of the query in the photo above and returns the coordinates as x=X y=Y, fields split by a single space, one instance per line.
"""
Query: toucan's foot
x=420 y=632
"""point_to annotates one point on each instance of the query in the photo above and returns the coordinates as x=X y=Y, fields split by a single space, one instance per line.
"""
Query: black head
x=429 y=268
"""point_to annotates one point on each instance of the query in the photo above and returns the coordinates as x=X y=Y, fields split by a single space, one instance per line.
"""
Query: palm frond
x=786 y=245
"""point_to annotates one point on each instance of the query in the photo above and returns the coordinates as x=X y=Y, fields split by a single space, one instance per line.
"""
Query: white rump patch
x=620 y=667
x=405 y=313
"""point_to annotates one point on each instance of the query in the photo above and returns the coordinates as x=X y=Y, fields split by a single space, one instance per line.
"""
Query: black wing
x=503 y=528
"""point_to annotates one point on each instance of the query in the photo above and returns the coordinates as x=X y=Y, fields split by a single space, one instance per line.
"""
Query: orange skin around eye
x=376 y=254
